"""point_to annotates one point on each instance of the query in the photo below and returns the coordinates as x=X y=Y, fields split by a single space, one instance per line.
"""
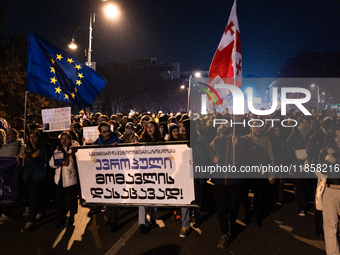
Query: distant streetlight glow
x=183 y=87
x=317 y=95
x=72 y=45
x=111 y=11
x=197 y=74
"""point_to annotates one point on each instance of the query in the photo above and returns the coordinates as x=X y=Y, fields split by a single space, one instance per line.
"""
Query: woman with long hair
x=66 y=179
x=150 y=134
x=34 y=176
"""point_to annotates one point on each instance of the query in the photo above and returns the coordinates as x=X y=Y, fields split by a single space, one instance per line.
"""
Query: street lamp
x=111 y=11
x=72 y=45
x=197 y=74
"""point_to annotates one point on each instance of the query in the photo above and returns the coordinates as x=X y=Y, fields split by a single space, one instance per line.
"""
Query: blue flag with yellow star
x=54 y=73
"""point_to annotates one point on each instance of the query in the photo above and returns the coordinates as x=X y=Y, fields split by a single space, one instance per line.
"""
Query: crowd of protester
x=48 y=171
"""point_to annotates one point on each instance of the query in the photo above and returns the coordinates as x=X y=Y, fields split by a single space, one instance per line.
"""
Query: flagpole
x=234 y=67
x=189 y=83
x=25 y=116
x=24 y=135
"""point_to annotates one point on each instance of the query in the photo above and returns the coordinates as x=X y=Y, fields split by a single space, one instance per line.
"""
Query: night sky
x=182 y=30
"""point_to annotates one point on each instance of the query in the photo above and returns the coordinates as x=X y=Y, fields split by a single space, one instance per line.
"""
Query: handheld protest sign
x=56 y=119
x=136 y=175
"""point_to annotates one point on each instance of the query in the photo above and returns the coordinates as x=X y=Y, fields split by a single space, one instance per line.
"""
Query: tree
x=13 y=69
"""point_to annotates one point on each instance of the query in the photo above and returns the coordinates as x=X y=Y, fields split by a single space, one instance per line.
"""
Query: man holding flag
x=226 y=68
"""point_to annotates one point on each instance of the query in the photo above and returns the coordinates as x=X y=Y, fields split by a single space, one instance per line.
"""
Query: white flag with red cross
x=226 y=66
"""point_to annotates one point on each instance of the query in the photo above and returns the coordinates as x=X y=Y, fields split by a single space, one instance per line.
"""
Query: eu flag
x=54 y=73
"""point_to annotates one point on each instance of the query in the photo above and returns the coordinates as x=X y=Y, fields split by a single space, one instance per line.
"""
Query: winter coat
x=113 y=139
x=296 y=142
x=35 y=165
x=12 y=149
x=69 y=175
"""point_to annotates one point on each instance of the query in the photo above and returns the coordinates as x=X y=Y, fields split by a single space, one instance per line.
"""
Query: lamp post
x=111 y=11
x=89 y=51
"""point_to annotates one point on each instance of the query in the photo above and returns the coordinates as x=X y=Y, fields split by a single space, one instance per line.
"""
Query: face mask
x=129 y=131
x=161 y=130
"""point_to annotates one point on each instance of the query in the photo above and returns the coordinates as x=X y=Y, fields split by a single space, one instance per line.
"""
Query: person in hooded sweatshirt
x=129 y=135
x=174 y=134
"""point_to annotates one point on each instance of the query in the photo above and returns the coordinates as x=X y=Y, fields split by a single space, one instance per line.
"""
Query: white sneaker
x=4 y=218
x=39 y=216
x=302 y=214
x=184 y=232
x=104 y=209
x=29 y=226
x=27 y=211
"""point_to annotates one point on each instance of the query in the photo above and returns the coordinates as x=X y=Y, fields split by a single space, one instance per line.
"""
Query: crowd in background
x=47 y=169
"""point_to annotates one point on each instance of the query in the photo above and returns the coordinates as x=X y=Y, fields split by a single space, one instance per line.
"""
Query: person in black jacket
x=297 y=154
x=227 y=189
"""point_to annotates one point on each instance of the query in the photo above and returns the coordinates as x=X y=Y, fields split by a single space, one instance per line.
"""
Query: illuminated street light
x=197 y=74
x=111 y=11
x=72 y=45
x=183 y=87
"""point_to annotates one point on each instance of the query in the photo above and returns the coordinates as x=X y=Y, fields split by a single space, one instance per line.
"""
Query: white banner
x=56 y=119
x=137 y=175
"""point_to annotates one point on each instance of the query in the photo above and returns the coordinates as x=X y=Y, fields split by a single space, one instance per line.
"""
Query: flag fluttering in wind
x=226 y=66
x=54 y=73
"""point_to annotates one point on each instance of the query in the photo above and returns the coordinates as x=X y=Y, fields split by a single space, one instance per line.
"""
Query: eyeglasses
x=106 y=131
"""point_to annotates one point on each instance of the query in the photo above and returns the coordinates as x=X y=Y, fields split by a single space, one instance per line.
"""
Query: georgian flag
x=227 y=62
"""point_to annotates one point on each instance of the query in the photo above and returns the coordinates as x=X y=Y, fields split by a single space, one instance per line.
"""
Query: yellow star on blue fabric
x=59 y=57
x=52 y=60
x=57 y=90
x=78 y=82
x=66 y=96
x=78 y=67
x=73 y=95
x=53 y=80
x=80 y=75
x=70 y=60
x=52 y=70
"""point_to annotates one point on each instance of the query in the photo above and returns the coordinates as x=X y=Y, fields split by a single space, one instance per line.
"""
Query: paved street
x=283 y=232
